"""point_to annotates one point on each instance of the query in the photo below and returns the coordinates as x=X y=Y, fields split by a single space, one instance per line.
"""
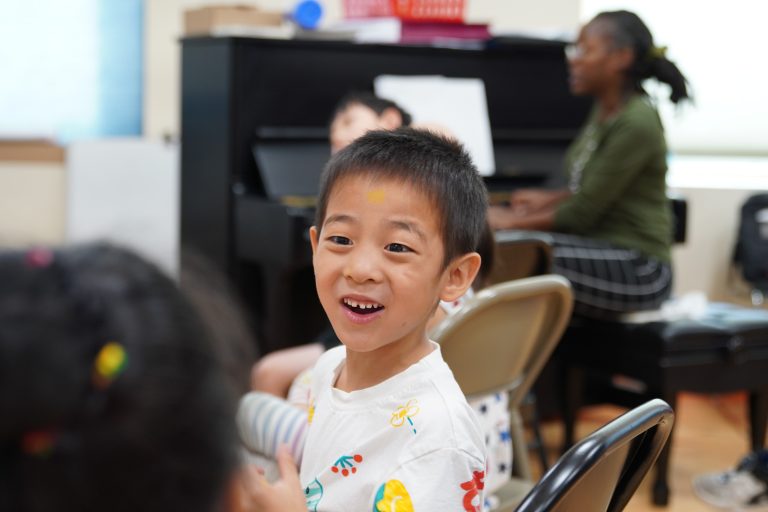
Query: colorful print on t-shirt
x=404 y=413
x=472 y=501
x=347 y=464
x=392 y=497
x=313 y=493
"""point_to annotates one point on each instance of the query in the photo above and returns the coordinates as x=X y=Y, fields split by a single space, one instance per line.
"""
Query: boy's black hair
x=628 y=31
x=437 y=166
x=370 y=100
x=486 y=248
x=160 y=437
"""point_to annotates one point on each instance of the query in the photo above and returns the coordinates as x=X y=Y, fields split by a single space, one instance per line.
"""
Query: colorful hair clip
x=109 y=363
x=38 y=257
x=39 y=443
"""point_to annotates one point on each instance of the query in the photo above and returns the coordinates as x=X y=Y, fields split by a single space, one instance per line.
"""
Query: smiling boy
x=399 y=216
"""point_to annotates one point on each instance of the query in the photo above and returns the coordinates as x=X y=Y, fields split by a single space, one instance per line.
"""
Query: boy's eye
x=340 y=240
x=398 y=248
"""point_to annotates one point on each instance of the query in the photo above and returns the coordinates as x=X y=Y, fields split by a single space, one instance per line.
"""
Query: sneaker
x=744 y=488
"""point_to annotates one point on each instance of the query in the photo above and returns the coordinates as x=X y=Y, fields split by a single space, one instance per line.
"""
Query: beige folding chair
x=500 y=341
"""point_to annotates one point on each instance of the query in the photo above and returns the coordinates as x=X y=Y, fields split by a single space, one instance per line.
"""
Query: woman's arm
x=611 y=172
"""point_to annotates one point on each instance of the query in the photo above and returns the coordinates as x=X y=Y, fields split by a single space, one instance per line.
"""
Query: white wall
x=715 y=188
x=126 y=190
x=524 y=15
x=703 y=262
x=32 y=203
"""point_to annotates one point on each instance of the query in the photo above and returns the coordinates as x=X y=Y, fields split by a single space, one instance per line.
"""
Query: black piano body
x=254 y=120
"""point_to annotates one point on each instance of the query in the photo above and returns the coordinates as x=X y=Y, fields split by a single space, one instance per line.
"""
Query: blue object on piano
x=307 y=14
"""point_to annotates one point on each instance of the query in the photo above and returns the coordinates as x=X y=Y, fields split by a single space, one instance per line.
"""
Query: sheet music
x=458 y=104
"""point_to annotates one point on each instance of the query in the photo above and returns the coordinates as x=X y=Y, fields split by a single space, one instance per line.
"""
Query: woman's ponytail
x=664 y=70
x=628 y=30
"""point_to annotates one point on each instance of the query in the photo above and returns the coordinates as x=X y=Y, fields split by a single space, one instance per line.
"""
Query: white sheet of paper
x=457 y=104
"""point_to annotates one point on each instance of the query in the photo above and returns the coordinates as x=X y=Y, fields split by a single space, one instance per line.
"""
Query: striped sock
x=265 y=422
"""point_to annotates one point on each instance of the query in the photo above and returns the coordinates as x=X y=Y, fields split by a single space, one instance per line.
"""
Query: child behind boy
x=398 y=220
x=359 y=112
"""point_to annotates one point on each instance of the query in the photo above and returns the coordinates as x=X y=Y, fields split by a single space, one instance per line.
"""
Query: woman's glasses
x=574 y=51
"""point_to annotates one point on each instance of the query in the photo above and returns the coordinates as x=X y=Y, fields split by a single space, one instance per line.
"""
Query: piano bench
x=725 y=350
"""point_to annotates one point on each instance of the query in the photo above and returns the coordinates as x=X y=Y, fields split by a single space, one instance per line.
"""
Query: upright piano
x=254 y=139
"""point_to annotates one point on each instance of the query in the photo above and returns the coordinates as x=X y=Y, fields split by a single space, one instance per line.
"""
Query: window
x=71 y=70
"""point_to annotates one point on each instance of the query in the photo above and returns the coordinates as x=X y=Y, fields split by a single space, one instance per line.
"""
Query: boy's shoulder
x=330 y=359
x=325 y=368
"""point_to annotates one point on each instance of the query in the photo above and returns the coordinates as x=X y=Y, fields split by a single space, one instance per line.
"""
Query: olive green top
x=617 y=171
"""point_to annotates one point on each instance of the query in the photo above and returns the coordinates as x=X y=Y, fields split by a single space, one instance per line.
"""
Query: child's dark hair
x=373 y=102
x=628 y=31
x=486 y=248
x=437 y=166
x=157 y=435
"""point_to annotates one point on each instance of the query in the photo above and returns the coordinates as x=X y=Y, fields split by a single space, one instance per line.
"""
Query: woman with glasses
x=612 y=224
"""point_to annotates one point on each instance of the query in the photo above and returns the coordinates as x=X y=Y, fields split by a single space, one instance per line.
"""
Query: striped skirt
x=608 y=281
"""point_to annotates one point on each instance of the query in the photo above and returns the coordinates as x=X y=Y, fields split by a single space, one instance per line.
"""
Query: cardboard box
x=214 y=19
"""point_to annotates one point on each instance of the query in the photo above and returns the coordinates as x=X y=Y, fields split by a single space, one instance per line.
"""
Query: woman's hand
x=255 y=494
x=503 y=217
x=528 y=201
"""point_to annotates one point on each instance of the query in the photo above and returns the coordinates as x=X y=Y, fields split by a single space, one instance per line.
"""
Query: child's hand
x=285 y=495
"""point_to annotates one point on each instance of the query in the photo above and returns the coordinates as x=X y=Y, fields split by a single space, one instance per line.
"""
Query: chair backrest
x=520 y=254
x=601 y=472
x=503 y=336
x=679 y=208
x=751 y=252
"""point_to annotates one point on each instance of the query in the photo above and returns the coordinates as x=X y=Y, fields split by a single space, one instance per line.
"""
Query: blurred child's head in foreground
x=111 y=394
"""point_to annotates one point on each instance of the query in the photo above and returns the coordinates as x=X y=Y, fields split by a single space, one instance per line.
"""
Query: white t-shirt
x=408 y=443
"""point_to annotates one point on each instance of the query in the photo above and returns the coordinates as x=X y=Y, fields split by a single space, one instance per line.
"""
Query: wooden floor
x=710 y=435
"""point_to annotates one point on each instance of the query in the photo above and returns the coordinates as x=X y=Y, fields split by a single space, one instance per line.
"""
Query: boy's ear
x=313 y=239
x=390 y=119
x=461 y=274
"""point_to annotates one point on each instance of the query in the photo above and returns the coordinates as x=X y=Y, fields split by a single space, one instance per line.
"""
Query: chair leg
x=571 y=391
x=661 y=484
x=538 y=439
x=758 y=417
x=521 y=467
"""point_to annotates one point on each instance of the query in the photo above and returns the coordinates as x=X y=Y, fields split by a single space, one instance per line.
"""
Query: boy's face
x=379 y=263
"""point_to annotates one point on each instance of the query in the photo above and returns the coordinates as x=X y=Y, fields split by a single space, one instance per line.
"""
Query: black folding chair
x=601 y=472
